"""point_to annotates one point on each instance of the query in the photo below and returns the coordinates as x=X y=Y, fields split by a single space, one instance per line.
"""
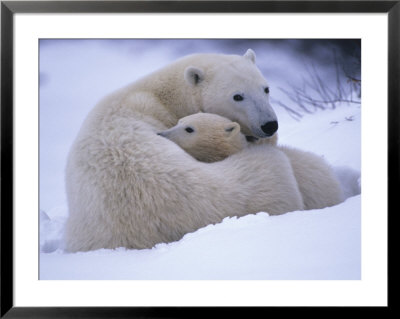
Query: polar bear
x=317 y=181
x=210 y=138
x=207 y=137
x=129 y=187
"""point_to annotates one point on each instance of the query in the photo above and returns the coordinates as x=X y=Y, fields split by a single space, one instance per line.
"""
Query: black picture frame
x=9 y=8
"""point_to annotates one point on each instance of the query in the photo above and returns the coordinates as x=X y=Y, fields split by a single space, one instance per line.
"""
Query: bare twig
x=296 y=115
x=316 y=94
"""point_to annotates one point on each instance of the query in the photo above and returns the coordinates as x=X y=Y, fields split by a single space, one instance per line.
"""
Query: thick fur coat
x=210 y=137
x=127 y=186
x=207 y=137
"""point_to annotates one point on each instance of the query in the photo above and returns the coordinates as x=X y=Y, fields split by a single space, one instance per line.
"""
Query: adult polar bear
x=127 y=186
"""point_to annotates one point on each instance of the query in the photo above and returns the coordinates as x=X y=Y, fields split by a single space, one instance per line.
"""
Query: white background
x=371 y=290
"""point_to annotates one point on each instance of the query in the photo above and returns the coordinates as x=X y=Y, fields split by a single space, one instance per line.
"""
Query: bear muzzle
x=269 y=128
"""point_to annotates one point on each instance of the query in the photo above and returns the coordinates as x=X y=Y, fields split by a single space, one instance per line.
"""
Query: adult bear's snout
x=270 y=128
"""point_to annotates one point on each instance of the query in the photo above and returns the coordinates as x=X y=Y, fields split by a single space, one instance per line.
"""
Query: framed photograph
x=167 y=157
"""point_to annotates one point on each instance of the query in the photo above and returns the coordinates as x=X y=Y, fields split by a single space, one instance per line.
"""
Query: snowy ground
x=318 y=244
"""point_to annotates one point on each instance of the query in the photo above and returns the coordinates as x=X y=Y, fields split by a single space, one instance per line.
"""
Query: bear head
x=207 y=137
x=237 y=90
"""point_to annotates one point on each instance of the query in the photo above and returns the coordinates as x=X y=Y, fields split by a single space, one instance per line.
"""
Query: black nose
x=270 y=128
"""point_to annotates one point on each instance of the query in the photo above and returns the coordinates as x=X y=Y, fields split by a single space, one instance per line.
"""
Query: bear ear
x=193 y=75
x=232 y=129
x=250 y=54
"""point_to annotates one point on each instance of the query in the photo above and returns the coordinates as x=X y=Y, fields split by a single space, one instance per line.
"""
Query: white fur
x=127 y=186
x=209 y=142
x=210 y=138
x=318 y=184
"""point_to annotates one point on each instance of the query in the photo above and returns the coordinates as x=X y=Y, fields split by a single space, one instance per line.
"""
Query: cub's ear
x=193 y=75
x=250 y=54
x=232 y=129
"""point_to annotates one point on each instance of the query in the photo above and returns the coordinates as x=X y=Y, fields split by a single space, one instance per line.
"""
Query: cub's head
x=232 y=86
x=207 y=137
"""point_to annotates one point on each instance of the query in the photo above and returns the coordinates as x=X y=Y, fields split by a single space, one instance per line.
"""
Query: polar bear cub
x=207 y=137
x=210 y=138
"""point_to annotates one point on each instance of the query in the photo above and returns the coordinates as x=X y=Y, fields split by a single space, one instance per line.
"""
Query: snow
x=320 y=244
x=316 y=244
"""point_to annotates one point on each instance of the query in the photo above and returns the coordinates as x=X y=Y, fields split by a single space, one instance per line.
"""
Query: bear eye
x=266 y=90
x=189 y=129
x=238 y=97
